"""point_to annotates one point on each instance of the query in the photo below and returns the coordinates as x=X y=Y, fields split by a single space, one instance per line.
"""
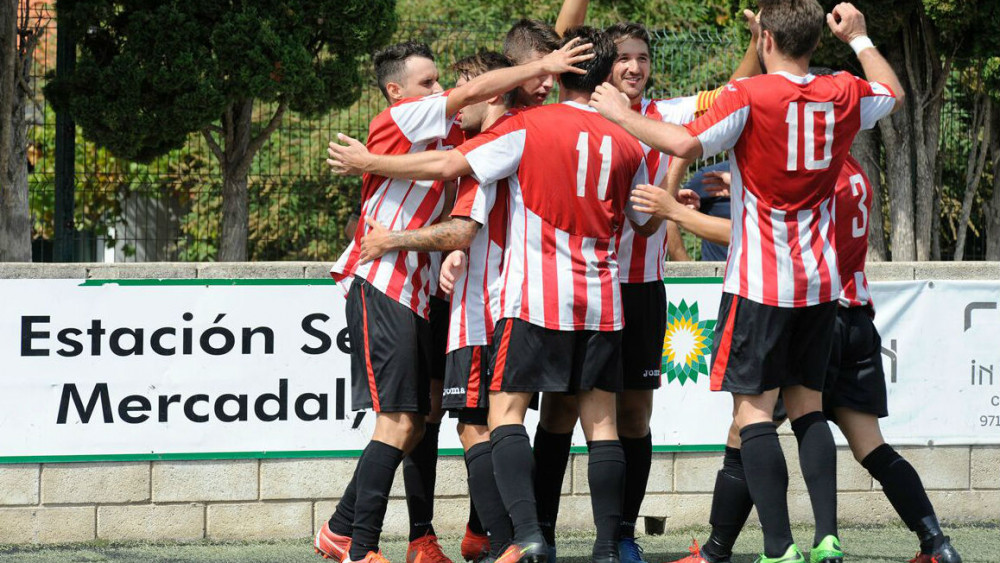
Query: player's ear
x=395 y=91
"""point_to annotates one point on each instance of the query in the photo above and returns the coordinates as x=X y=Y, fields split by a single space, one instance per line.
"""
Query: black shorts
x=855 y=378
x=465 y=381
x=477 y=416
x=760 y=347
x=644 y=307
x=528 y=358
x=390 y=353
x=439 y=317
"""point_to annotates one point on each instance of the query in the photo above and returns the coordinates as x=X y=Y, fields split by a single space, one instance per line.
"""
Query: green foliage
x=150 y=73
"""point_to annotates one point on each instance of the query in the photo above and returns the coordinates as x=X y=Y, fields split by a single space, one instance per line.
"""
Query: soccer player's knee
x=633 y=423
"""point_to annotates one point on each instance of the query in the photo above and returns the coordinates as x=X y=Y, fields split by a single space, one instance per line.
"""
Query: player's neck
x=574 y=96
x=797 y=67
x=493 y=114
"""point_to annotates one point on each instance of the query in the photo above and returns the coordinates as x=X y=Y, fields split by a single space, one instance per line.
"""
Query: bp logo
x=686 y=344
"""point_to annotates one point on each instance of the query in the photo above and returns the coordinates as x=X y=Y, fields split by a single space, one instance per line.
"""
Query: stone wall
x=290 y=498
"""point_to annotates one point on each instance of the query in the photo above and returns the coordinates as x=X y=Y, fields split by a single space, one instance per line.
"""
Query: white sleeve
x=679 y=111
x=641 y=177
x=877 y=106
x=423 y=120
x=497 y=159
x=486 y=196
x=723 y=134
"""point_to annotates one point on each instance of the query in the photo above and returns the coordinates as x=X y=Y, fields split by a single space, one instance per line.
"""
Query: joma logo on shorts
x=651 y=373
x=454 y=391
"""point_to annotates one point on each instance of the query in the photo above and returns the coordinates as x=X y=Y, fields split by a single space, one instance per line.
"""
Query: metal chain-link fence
x=171 y=209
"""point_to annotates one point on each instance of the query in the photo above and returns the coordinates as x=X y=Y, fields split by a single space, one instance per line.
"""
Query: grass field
x=979 y=544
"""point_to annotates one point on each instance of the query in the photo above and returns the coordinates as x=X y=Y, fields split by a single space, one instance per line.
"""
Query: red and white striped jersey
x=569 y=173
x=641 y=259
x=787 y=137
x=409 y=126
x=854 y=203
x=475 y=305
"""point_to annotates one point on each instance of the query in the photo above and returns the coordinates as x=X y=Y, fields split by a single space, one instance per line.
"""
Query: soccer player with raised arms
x=387 y=299
x=788 y=134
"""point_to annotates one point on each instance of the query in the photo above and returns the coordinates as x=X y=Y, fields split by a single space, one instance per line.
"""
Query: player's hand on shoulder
x=846 y=22
x=452 y=268
x=610 y=102
x=375 y=243
x=563 y=59
x=349 y=159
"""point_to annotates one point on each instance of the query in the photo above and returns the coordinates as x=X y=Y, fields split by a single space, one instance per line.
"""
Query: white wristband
x=861 y=43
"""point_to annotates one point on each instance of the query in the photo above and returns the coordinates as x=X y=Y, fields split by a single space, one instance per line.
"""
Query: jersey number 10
x=583 y=147
x=810 y=137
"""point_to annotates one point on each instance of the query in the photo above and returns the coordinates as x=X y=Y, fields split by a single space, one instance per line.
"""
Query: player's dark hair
x=526 y=36
x=796 y=25
x=822 y=71
x=390 y=63
x=481 y=63
x=628 y=30
x=598 y=68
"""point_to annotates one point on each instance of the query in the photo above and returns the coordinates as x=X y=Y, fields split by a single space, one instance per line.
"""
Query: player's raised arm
x=503 y=80
x=848 y=24
x=664 y=137
x=750 y=65
x=354 y=159
x=571 y=14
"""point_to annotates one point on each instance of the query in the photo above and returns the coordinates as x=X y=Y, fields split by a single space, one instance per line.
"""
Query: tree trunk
x=992 y=211
x=896 y=132
x=15 y=215
x=235 y=156
x=980 y=137
x=866 y=150
x=8 y=87
x=235 y=199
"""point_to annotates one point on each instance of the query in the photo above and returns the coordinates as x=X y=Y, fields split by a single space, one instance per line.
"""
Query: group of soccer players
x=545 y=226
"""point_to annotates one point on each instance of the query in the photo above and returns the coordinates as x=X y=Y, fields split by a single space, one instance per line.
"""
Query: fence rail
x=170 y=209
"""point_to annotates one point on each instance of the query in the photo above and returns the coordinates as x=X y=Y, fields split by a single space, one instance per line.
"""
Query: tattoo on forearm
x=449 y=235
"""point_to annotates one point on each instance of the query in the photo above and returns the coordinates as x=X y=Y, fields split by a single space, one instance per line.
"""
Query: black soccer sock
x=486 y=497
x=376 y=471
x=342 y=520
x=474 y=524
x=513 y=468
x=731 y=506
x=767 y=479
x=606 y=477
x=902 y=486
x=818 y=459
x=420 y=476
x=638 y=458
x=551 y=454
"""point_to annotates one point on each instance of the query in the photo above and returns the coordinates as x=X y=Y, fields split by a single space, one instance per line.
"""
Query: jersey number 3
x=583 y=148
x=811 y=138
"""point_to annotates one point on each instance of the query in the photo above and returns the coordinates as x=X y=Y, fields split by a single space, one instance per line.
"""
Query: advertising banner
x=207 y=369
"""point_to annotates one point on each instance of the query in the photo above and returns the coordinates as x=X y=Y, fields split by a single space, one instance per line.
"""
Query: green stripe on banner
x=203 y=282
x=686 y=281
x=280 y=455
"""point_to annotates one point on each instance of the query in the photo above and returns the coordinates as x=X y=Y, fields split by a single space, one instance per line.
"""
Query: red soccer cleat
x=475 y=547
x=331 y=545
x=426 y=550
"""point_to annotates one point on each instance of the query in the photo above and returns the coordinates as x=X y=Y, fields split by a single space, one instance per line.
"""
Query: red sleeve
x=465 y=197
